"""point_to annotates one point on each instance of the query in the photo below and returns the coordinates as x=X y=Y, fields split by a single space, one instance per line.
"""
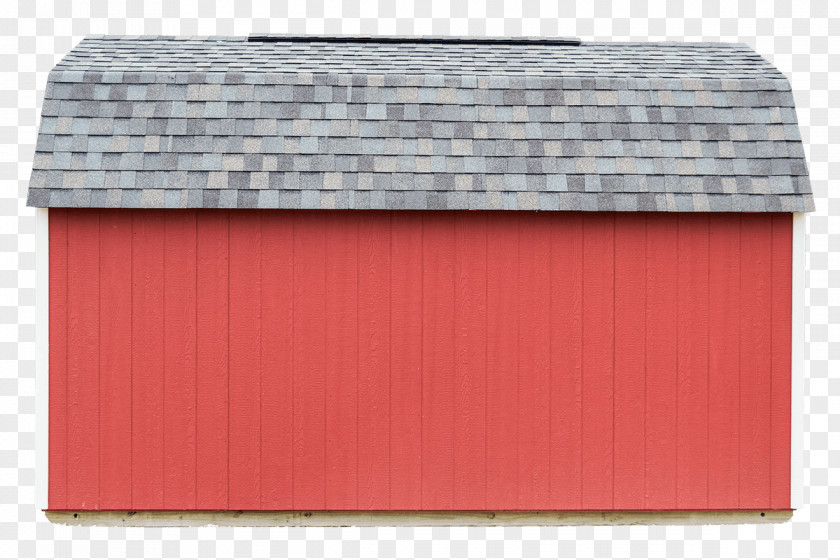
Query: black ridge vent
x=422 y=39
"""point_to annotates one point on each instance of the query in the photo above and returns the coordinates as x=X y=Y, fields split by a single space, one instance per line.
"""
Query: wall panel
x=276 y=360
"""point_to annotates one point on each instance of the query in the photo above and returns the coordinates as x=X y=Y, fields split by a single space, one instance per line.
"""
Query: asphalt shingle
x=528 y=125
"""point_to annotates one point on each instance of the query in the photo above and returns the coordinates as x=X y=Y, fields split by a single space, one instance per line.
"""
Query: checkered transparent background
x=792 y=34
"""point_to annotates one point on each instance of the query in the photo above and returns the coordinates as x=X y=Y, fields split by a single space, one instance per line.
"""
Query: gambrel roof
x=418 y=123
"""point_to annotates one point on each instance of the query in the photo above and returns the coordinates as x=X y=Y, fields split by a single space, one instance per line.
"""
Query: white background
x=794 y=35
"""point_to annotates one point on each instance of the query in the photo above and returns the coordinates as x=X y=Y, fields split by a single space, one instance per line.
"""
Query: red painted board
x=692 y=361
x=470 y=361
x=212 y=359
x=406 y=361
x=374 y=371
x=780 y=378
x=57 y=486
x=661 y=303
x=309 y=361
x=244 y=390
x=83 y=360
x=276 y=364
x=533 y=363
x=180 y=372
x=566 y=355
x=438 y=343
x=630 y=360
x=342 y=365
x=147 y=359
x=115 y=274
x=725 y=312
x=502 y=371
x=598 y=341
x=755 y=361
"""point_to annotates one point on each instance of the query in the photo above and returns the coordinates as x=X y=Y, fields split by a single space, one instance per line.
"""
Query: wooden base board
x=414 y=518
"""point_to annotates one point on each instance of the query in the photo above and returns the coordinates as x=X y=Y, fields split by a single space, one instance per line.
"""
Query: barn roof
x=417 y=123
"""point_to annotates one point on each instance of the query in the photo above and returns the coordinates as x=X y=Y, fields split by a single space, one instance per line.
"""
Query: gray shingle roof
x=444 y=124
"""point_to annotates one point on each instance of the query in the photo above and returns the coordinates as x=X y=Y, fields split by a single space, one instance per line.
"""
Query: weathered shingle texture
x=224 y=123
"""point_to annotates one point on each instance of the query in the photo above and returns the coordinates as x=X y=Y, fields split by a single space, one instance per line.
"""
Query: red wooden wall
x=367 y=360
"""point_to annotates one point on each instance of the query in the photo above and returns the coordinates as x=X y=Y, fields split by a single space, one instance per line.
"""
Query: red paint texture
x=300 y=360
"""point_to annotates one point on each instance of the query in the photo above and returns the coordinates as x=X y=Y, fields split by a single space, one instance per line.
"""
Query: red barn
x=356 y=279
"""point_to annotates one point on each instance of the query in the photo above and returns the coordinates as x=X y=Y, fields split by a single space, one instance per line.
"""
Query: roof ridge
x=431 y=55
x=441 y=39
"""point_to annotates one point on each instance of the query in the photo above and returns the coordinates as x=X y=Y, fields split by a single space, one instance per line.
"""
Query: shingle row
x=240 y=129
x=626 y=165
x=558 y=95
x=294 y=180
x=411 y=128
x=416 y=200
x=346 y=154
x=374 y=112
x=234 y=54
x=494 y=81
x=269 y=148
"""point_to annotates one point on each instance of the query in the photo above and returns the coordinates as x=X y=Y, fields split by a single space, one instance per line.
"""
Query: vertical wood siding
x=367 y=360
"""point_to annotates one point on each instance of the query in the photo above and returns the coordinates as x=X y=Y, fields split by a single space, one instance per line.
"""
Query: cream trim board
x=798 y=302
x=42 y=369
x=410 y=518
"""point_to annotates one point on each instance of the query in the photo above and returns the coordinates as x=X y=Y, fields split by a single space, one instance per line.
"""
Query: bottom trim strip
x=412 y=518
